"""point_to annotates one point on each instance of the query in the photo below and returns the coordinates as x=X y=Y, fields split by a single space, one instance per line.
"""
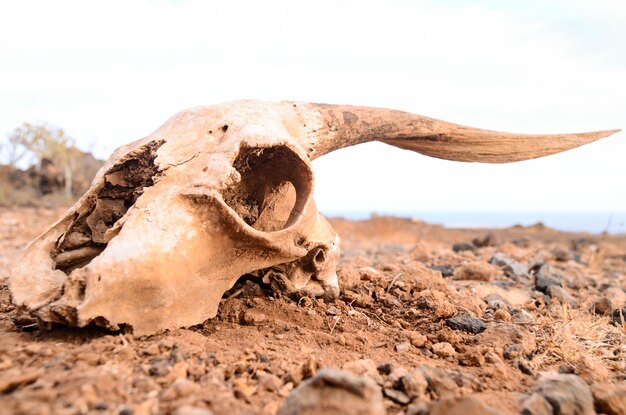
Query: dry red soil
x=522 y=319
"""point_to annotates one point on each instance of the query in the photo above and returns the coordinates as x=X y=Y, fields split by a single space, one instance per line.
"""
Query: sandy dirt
x=440 y=320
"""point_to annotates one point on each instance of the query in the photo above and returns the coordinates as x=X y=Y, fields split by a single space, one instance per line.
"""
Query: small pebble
x=512 y=351
x=521 y=316
x=525 y=367
x=559 y=293
x=443 y=349
x=385 y=368
x=414 y=384
x=269 y=381
x=472 y=358
x=192 y=410
x=502 y=315
x=403 y=347
x=253 y=318
x=478 y=271
x=396 y=396
x=418 y=340
x=602 y=306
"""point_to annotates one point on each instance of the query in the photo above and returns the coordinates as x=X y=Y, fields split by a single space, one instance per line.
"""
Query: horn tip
x=607 y=133
x=597 y=135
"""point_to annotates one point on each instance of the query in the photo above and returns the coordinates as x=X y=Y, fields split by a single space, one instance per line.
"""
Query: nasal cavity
x=274 y=188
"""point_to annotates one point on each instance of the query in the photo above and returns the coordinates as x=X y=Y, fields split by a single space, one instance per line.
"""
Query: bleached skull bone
x=173 y=220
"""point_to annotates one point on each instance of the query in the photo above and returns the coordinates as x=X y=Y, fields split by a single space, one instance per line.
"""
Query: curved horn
x=344 y=126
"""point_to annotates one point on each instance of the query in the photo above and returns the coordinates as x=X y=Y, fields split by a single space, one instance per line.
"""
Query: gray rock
x=466 y=323
x=566 y=394
x=543 y=281
x=501 y=260
x=516 y=269
x=511 y=267
x=335 y=392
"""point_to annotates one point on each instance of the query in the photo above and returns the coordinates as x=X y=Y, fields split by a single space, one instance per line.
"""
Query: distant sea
x=593 y=222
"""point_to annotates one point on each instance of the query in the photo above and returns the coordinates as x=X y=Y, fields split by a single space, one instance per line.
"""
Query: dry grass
x=589 y=344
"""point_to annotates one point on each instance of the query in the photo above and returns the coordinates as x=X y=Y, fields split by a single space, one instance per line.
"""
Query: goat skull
x=173 y=220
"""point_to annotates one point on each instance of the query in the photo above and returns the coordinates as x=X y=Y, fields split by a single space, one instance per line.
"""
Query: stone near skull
x=172 y=221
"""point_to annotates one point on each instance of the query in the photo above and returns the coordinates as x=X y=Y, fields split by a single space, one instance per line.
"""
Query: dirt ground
x=519 y=320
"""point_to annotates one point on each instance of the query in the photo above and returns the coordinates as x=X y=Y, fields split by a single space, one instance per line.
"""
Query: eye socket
x=275 y=185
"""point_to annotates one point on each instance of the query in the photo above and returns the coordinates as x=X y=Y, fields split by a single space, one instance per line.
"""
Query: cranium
x=173 y=220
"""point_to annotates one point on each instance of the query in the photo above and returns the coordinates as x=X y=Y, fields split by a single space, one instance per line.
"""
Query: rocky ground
x=430 y=321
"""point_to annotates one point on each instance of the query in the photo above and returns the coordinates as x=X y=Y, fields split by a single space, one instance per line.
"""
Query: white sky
x=109 y=72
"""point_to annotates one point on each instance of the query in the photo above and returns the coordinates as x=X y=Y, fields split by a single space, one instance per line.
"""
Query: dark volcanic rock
x=385 y=368
x=619 y=316
x=446 y=270
x=463 y=246
x=466 y=323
